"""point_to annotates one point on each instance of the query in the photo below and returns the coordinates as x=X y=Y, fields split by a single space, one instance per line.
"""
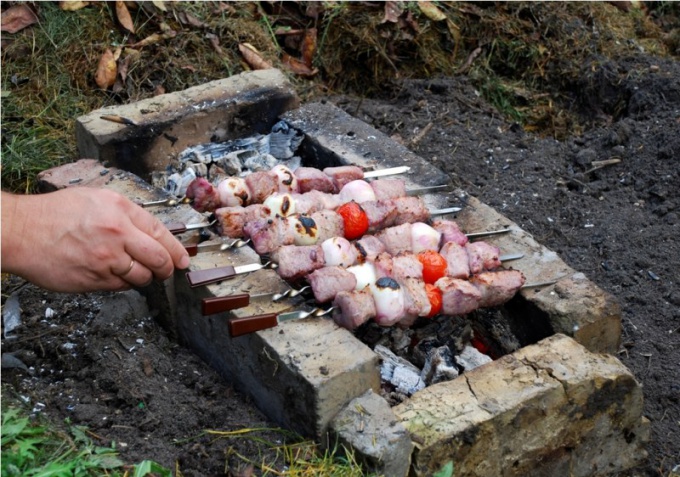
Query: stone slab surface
x=552 y=408
x=165 y=125
x=379 y=440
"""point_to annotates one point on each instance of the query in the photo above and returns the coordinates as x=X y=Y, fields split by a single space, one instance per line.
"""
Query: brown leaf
x=155 y=38
x=431 y=11
x=187 y=18
x=72 y=5
x=253 y=57
x=392 y=12
x=158 y=90
x=160 y=4
x=215 y=42
x=105 y=76
x=308 y=48
x=297 y=66
x=16 y=18
x=124 y=17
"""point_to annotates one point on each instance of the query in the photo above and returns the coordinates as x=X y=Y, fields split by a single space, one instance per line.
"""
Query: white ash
x=398 y=372
x=470 y=358
x=237 y=157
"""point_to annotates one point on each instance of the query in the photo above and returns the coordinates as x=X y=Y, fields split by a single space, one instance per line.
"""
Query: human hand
x=82 y=239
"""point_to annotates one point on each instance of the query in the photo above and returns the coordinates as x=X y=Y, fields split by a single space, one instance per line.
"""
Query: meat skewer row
x=442 y=236
x=350 y=221
x=232 y=219
x=256 y=187
x=388 y=302
x=327 y=281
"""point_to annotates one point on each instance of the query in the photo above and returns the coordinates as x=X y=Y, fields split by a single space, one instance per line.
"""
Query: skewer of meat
x=350 y=221
x=258 y=186
x=443 y=237
x=389 y=302
x=232 y=219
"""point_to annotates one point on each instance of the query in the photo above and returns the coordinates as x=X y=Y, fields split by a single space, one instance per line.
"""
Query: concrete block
x=165 y=125
x=552 y=408
x=368 y=426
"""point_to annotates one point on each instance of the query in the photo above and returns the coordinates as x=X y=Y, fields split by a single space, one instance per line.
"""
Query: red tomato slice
x=434 y=265
x=355 y=219
x=434 y=294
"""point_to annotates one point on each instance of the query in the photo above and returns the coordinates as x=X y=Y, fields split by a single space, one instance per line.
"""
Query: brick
x=379 y=441
x=165 y=125
x=552 y=408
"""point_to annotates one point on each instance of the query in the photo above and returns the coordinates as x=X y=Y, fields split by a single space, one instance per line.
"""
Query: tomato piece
x=355 y=219
x=434 y=265
x=434 y=294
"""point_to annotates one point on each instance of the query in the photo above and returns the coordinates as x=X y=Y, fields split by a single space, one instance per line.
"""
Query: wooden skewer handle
x=212 y=275
x=176 y=228
x=218 y=304
x=249 y=324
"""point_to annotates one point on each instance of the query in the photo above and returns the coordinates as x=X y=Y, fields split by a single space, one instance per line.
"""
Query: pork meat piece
x=296 y=261
x=396 y=239
x=410 y=209
x=232 y=220
x=204 y=196
x=341 y=175
x=329 y=224
x=267 y=235
x=310 y=178
x=380 y=214
x=416 y=302
x=353 y=308
x=326 y=282
x=459 y=297
x=261 y=185
x=450 y=232
x=406 y=265
x=368 y=247
x=458 y=262
x=385 y=189
x=383 y=265
x=498 y=287
x=483 y=257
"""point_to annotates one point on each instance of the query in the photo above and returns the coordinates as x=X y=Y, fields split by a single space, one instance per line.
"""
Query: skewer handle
x=192 y=250
x=249 y=324
x=212 y=275
x=217 y=304
x=176 y=228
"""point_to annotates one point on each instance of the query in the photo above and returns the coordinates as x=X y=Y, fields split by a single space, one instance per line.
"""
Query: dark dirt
x=617 y=223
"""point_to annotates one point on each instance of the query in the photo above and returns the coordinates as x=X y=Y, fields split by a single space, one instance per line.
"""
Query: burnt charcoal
x=397 y=371
x=492 y=327
x=284 y=141
x=259 y=162
x=470 y=359
x=440 y=366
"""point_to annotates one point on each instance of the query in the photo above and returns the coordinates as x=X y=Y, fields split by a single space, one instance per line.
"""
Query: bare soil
x=102 y=361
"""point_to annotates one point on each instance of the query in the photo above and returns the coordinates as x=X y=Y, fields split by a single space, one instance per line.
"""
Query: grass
x=31 y=449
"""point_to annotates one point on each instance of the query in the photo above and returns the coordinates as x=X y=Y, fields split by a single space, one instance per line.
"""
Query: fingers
x=136 y=274
x=174 y=252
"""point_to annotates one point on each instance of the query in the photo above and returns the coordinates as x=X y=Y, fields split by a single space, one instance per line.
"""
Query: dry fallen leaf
x=72 y=5
x=187 y=18
x=16 y=18
x=392 y=12
x=105 y=76
x=155 y=38
x=431 y=11
x=160 y=4
x=308 y=47
x=124 y=17
x=215 y=42
x=297 y=66
x=253 y=57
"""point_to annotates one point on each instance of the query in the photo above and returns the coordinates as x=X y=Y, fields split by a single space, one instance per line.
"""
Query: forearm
x=16 y=217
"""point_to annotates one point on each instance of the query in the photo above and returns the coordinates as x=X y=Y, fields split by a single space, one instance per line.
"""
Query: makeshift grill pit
x=558 y=405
